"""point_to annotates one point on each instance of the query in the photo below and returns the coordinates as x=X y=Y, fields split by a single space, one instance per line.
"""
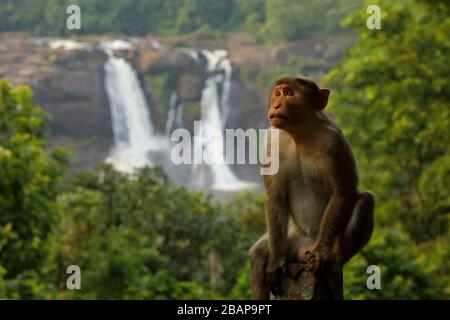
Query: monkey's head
x=294 y=100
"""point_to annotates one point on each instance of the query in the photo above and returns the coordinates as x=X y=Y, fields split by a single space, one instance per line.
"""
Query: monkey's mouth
x=277 y=116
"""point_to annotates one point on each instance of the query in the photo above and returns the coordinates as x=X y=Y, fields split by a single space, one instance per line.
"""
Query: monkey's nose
x=277 y=106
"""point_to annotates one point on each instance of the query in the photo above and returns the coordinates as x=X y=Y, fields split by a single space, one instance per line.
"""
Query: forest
x=144 y=237
x=269 y=20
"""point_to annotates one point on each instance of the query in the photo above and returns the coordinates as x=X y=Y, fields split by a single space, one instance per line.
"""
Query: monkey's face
x=286 y=106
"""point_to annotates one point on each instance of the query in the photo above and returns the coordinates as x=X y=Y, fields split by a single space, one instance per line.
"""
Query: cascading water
x=174 y=115
x=131 y=122
x=171 y=114
x=214 y=110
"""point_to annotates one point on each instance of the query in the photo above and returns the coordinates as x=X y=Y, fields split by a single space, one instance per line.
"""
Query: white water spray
x=131 y=122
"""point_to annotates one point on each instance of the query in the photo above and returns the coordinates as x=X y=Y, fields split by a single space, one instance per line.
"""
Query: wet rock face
x=189 y=87
x=74 y=94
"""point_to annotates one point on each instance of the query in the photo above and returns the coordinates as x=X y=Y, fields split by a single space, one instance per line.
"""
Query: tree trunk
x=299 y=284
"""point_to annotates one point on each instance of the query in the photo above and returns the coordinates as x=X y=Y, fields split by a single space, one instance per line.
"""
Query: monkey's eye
x=289 y=93
x=277 y=93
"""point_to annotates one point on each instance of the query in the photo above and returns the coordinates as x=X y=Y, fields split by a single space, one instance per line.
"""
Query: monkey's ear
x=323 y=98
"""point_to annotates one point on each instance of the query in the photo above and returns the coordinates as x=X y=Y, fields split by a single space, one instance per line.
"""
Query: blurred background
x=86 y=117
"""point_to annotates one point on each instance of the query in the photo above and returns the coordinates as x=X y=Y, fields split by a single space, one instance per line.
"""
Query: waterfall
x=171 y=113
x=225 y=64
x=174 y=117
x=135 y=143
x=131 y=122
x=214 y=111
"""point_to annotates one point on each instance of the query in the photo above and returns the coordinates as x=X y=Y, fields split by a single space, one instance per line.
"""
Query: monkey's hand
x=274 y=278
x=317 y=258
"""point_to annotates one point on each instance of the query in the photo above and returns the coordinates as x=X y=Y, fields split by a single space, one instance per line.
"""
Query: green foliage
x=142 y=237
x=249 y=14
x=391 y=96
x=191 y=111
x=162 y=84
x=196 y=15
x=242 y=288
x=29 y=182
x=269 y=20
x=297 y=65
x=405 y=270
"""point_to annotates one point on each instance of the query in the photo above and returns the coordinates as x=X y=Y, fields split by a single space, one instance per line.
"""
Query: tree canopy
x=269 y=20
x=391 y=97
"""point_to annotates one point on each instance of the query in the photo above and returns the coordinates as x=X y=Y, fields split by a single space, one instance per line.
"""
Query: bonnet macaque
x=314 y=212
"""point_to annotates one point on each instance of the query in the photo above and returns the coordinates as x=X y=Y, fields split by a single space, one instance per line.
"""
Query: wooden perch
x=299 y=284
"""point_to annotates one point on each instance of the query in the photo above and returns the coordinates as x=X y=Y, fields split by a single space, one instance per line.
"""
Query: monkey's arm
x=277 y=217
x=342 y=179
x=334 y=219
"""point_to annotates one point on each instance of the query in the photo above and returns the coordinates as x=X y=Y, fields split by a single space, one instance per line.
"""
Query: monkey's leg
x=360 y=226
x=259 y=255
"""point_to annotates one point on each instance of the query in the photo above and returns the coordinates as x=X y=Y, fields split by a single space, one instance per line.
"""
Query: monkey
x=314 y=211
